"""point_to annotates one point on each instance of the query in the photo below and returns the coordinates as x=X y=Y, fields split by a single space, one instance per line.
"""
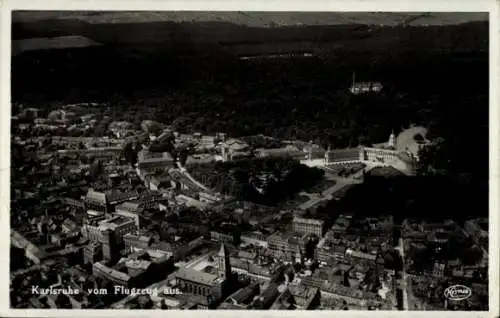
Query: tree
x=130 y=153
x=96 y=168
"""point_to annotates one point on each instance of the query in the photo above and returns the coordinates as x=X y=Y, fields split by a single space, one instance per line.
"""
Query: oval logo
x=457 y=292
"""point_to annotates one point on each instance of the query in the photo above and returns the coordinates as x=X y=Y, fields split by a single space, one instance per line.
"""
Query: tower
x=327 y=154
x=223 y=262
x=309 y=150
x=108 y=245
x=392 y=140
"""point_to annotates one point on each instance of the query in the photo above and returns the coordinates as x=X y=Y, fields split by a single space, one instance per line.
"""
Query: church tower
x=223 y=262
x=327 y=154
x=392 y=140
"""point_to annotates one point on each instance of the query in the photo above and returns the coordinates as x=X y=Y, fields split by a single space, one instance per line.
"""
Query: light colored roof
x=137 y=264
x=361 y=255
x=129 y=206
x=111 y=272
x=114 y=222
x=236 y=144
x=196 y=276
x=222 y=251
x=96 y=196
x=146 y=156
x=308 y=221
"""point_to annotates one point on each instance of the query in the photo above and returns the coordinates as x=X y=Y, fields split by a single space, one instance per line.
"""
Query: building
x=287 y=246
x=96 y=201
x=380 y=155
x=118 y=224
x=131 y=210
x=199 y=159
x=230 y=235
x=364 y=87
x=110 y=250
x=308 y=226
x=234 y=149
x=356 y=255
x=160 y=182
x=439 y=269
x=152 y=162
x=115 y=198
x=266 y=298
x=32 y=252
x=256 y=238
x=255 y=272
x=92 y=252
x=329 y=248
x=117 y=277
x=95 y=152
x=242 y=298
x=334 y=290
x=211 y=287
x=209 y=197
x=223 y=263
x=342 y=155
x=302 y=297
x=133 y=241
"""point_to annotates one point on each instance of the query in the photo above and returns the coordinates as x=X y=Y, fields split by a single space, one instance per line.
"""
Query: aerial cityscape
x=249 y=161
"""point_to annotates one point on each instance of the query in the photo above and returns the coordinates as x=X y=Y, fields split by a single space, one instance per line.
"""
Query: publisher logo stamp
x=457 y=292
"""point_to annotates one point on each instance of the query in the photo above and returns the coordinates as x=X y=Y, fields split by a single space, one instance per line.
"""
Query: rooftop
x=114 y=221
x=196 y=276
x=112 y=272
x=308 y=221
x=95 y=196
x=145 y=156
x=129 y=206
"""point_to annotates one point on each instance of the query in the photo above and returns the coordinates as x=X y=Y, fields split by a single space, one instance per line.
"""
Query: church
x=207 y=288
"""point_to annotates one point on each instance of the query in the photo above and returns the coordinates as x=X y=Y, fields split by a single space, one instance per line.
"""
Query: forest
x=436 y=77
x=262 y=181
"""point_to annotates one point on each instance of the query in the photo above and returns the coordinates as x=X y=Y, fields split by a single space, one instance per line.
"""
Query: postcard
x=199 y=159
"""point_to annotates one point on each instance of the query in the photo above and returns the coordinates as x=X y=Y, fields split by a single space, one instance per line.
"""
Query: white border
x=256 y=5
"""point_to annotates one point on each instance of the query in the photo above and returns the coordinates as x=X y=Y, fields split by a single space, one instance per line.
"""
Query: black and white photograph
x=250 y=160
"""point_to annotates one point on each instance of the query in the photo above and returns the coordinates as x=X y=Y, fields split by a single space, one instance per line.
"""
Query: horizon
x=256 y=18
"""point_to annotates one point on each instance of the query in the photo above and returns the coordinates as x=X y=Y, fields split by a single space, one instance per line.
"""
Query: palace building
x=211 y=287
x=308 y=226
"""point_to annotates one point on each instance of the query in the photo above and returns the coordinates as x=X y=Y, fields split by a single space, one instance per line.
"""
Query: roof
x=95 y=196
x=111 y=272
x=245 y=254
x=115 y=221
x=115 y=196
x=361 y=255
x=308 y=221
x=129 y=206
x=137 y=264
x=145 y=156
x=93 y=245
x=196 y=276
x=245 y=295
x=157 y=180
x=223 y=251
x=302 y=291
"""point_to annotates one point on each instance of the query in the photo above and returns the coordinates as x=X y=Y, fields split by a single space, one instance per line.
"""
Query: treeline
x=462 y=36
